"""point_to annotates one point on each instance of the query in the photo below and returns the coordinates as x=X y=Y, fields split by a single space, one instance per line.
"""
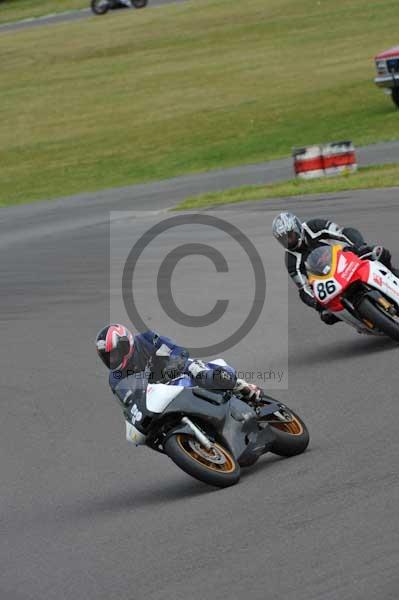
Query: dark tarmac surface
x=86 y=515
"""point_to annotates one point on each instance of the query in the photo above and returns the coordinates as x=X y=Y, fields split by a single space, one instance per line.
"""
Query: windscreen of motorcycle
x=319 y=261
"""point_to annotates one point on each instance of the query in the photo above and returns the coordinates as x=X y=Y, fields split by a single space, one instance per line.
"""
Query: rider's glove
x=362 y=251
x=382 y=254
x=249 y=391
x=306 y=295
x=373 y=253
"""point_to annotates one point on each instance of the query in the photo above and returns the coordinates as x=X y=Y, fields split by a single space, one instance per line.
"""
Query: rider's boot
x=328 y=317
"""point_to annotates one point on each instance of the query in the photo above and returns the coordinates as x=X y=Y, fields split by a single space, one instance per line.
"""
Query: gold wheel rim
x=227 y=467
x=294 y=427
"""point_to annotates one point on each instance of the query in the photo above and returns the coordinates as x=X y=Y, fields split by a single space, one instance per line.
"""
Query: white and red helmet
x=115 y=345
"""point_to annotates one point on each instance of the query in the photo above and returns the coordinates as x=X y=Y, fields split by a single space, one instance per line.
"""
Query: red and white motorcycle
x=358 y=291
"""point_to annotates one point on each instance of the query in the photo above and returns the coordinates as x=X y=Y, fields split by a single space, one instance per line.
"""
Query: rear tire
x=139 y=3
x=99 y=7
x=290 y=438
x=216 y=467
x=380 y=318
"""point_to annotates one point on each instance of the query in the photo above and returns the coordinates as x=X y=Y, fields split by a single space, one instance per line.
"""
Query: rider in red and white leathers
x=300 y=238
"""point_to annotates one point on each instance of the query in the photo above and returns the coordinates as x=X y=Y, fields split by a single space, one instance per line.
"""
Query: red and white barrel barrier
x=325 y=159
x=339 y=157
x=308 y=162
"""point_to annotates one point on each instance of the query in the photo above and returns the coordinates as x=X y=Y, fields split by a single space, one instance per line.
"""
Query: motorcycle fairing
x=187 y=403
x=228 y=417
x=182 y=380
x=159 y=395
x=234 y=421
x=382 y=279
x=346 y=267
x=134 y=436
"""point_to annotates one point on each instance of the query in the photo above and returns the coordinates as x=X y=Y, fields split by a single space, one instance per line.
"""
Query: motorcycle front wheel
x=99 y=7
x=291 y=438
x=382 y=314
x=216 y=466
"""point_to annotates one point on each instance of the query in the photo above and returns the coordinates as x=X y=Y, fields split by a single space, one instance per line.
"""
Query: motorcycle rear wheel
x=99 y=7
x=290 y=438
x=380 y=317
x=216 y=466
x=139 y=3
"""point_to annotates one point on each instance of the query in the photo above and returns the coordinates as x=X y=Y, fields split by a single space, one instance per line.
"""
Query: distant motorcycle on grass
x=100 y=7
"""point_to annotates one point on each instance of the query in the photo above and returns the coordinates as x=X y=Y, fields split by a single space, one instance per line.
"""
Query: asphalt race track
x=86 y=515
x=72 y=15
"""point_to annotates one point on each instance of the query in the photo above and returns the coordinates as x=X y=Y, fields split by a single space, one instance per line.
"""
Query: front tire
x=290 y=438
x=216 y=466
x=99 y=7
x=380 y=317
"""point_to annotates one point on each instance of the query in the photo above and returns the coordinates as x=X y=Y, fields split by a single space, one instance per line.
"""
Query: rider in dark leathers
x=299 y=239
x=150 y=358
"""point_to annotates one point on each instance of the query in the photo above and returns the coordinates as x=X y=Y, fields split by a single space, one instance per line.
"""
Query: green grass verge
x=14 y=10
x=367 y=177
x=144 y=95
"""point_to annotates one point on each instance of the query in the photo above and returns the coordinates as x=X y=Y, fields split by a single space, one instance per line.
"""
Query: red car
x=387 y=65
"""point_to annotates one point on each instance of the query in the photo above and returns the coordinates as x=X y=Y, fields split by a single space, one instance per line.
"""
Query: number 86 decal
x=326 y=288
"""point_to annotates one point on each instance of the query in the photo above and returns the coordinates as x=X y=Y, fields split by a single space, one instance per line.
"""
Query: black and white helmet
x=288 y=230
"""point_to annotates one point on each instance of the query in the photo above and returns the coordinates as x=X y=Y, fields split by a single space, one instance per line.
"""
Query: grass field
x=365 y=178
x=149 y=94
x=14 y=10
